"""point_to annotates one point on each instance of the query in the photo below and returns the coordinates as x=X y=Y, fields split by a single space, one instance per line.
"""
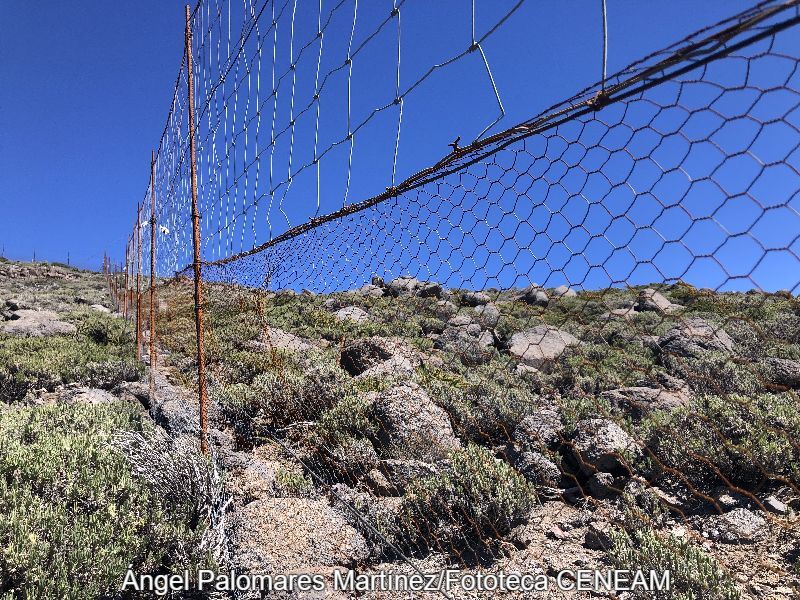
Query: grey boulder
x=641 y=401
x=411 y=286
x=468 y=343
x=379 y=356
x=371 y=291
x=535 y=296
x=488 y=314
x=599 y=445
x=288 y=534
x=539 y=346
x=783 y=371
x=91 y=396
x=564 y=291
x=36 y=323
x=412 y=426
x=475 y=298
x=353 y=314
x=694 y=336
x=542 y=429
x=538 y=469
x=650 y=300
x=739 y=526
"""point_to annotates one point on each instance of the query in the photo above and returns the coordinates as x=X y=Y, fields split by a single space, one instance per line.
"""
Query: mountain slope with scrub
x=401 y=426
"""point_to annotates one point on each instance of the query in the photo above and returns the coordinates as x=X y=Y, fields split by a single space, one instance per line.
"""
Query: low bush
x=349 y=416
x=595 y=368
x=292 y=484
x=243 y=366
x=28 y=364
x=746 y=439
x=344 y=459
x=340 y=448
x=476 y=501
x=715 y=373
x=694 y=575
x=575 y=408
x=275 y=400
x=72 y=517
x=483 y=410
x=105 y=330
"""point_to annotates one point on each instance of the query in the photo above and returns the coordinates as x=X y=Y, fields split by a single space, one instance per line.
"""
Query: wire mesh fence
x=583 y=325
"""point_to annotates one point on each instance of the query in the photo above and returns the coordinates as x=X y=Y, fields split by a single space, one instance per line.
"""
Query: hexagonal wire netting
x=595 y=308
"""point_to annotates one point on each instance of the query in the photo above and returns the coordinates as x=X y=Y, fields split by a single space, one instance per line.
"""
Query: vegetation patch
x=482 y=408
x=72 y=517
x=748 y=440
x=479 y=499
x=694 y=575
x=100 y=355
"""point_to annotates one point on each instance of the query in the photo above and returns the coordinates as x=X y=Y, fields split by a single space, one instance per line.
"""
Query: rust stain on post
x=125 y=283
x=117 y=303
x=198 y=282
x=152 y=324
x=138 y=282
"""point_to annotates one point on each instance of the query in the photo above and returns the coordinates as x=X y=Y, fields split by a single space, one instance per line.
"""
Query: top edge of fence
x=693 y=51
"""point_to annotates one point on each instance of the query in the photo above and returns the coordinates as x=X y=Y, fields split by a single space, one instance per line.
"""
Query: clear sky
x=85 y=88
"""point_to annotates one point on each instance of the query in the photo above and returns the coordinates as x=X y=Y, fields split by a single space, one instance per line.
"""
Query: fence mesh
x=573 y=342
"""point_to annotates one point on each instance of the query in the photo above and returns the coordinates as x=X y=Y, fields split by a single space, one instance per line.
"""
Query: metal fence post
x=198 y=282
x=138 y=282
x=152 y=324
x=125 y=282
x=131 y=265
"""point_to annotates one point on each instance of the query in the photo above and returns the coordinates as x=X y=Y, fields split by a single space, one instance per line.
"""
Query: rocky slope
x=406 y=426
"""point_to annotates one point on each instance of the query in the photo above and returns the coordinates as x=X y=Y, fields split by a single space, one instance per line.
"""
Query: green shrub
x=308 y=318
x=292 y=484
x=72 y=517
x=242 y=366
x=275 y=400
x=595 y=368
x=340 y=448
x=694 y=575
x=517 y=316
x=715 y=373
x=748 y=439
x=105 y=330
x=477 y=500
x=748 y=336
x=345 y=458
x=349 y=416
x=28 y=364
x=483 y=410
x=575 y=408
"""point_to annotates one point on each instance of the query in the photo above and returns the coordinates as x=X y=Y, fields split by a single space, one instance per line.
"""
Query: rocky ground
x=404 y=426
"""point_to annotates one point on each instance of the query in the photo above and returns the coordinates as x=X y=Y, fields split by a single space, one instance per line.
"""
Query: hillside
x=401 y=426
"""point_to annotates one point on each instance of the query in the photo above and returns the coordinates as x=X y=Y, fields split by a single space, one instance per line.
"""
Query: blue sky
x=86 y=88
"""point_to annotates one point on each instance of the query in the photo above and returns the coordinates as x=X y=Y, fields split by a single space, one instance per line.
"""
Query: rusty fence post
x=138 y=282
x=198 y=282
x=125 y=282
x=107 y=275
x=119 y=287
x=152 y=324
x=131 y=265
